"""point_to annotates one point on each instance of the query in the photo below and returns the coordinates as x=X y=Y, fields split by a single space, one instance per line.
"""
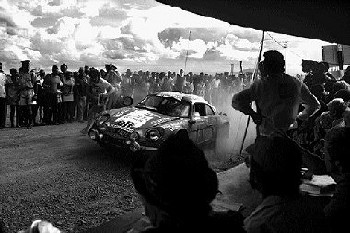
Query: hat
x=113 y=67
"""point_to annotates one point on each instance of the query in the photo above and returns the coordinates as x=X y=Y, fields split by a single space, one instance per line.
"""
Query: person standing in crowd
x=208 y=89
x=12 y=96
x=329 y=119
x=62 y=74
x=113 y=77
x=98 y=92
x=127 y=85
x=41 y=95
x=81 y=86
x=87 y=73
x=180 y=81
x=68 y=97
x=35 y=103
x=47 y=107
x=3 y=106
x=200 y=86
x=337 y=160
x=55 y=95
x=277 y=97
x=188 y=87
x=167 y=84
x=275 y=171
x=103 y=73
x=26 y=94
x=177 y=186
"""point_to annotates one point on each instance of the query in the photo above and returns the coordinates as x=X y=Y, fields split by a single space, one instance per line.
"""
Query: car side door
x=210 y=127
x=201 y=124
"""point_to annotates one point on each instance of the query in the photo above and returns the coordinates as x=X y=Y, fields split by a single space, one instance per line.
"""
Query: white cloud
x=95 y=32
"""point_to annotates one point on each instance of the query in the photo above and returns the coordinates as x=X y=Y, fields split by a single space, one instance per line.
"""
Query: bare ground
x=57 y=174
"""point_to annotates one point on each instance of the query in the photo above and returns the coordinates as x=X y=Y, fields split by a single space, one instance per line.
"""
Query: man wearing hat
x=2 y=98
x=26 y=94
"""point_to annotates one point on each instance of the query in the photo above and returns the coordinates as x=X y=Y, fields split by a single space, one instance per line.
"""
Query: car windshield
x=165 y=105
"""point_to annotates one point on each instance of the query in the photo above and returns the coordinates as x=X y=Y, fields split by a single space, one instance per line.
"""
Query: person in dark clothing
x=275 y=171
x=46 y=95
x=177 y=186
x=344 y=94
x=81 y=86
x=338 y=165
x=26 y=94
x=12 y=96
x=55 y=95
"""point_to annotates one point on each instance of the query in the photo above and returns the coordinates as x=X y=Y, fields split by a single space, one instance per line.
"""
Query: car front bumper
x=103 y=138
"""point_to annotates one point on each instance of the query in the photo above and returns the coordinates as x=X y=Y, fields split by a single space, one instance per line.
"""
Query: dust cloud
x=238 y=124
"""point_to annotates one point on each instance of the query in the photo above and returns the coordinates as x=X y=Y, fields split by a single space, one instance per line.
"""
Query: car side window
x=200 y=107
x=209 y=111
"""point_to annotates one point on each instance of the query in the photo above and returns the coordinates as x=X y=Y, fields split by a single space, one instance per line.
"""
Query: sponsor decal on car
x=160 y=121
x=136 y=119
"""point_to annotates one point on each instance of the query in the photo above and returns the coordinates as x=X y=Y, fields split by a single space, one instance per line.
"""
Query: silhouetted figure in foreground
x=177 y=186
x=338 y=164
x=275 y=171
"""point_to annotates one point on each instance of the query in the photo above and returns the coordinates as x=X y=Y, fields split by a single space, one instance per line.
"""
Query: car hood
x=139 y=118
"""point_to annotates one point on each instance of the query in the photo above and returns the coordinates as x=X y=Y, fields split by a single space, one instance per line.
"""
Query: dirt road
x=57 y=174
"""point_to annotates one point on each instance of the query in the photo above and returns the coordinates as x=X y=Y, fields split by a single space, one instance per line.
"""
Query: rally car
x=147 y=124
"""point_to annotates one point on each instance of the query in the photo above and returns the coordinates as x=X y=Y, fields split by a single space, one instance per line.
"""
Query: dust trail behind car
x=238 y=122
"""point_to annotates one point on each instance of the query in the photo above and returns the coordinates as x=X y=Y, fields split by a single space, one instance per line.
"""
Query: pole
x=189 y=38
x=254 y=77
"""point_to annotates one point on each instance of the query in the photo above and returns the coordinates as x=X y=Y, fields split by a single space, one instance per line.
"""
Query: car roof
x=179 y=96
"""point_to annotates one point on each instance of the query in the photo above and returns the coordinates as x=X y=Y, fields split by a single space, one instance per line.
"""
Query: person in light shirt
x=98 y=92
x=277 y=96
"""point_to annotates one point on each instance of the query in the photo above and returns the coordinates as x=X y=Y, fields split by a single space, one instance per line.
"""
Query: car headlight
x=153 y=134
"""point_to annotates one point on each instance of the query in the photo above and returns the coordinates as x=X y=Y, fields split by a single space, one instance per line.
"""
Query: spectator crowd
x=63 y=96
x=176 y=184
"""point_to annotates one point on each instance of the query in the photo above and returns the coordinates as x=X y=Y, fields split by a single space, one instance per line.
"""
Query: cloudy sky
x=135 y=34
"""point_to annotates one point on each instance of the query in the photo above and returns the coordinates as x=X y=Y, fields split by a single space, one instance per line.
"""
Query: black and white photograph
x=141 y=116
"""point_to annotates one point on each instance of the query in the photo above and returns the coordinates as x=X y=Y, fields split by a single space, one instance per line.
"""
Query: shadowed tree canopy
x=326 y=20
